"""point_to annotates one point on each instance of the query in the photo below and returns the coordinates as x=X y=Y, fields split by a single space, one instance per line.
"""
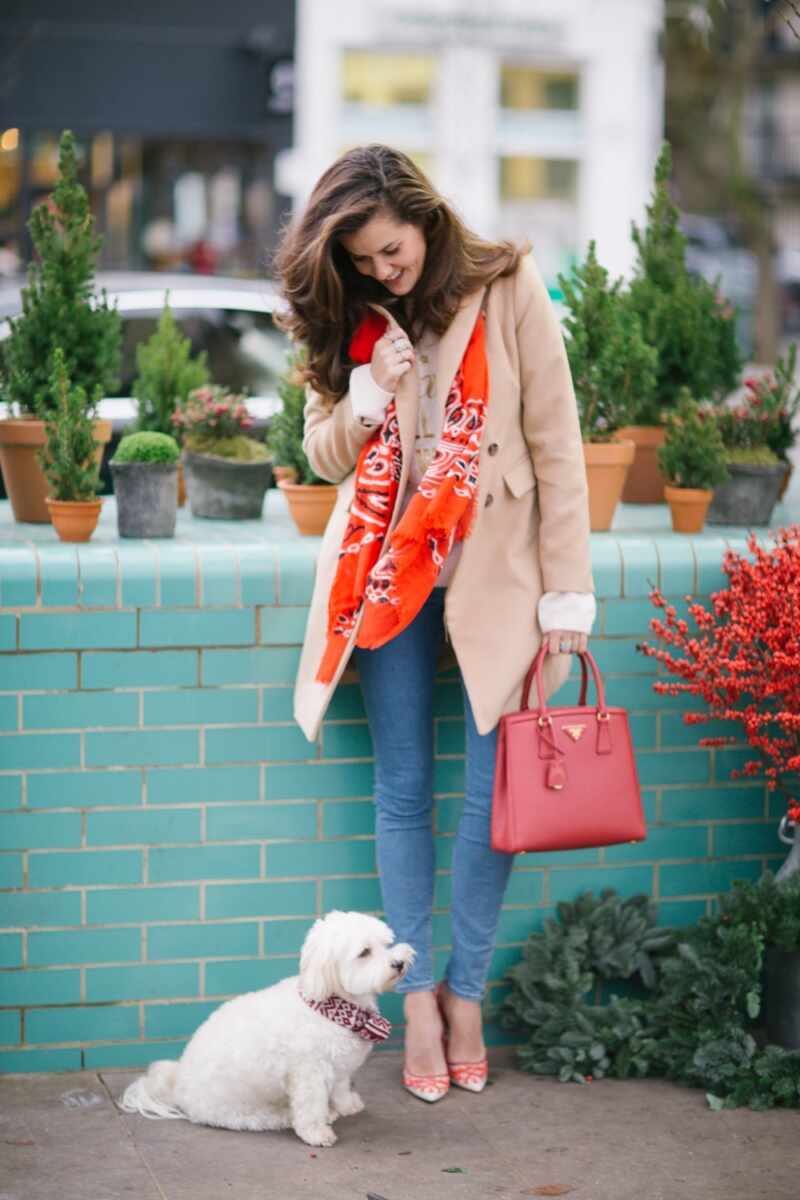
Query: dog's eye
x=365 y=953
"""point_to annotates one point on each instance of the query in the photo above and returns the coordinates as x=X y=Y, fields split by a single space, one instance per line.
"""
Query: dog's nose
x=399 y=965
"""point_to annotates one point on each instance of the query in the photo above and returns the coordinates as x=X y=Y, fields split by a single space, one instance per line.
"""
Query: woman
x=440 y=402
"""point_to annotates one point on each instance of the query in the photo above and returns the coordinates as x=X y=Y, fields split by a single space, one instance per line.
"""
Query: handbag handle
x=535 y=671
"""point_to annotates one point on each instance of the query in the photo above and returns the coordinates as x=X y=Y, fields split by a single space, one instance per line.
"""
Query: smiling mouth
x=395 y=278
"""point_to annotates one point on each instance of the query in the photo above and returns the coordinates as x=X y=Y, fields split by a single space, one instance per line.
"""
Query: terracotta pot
x=181 y=485
x=287 y=473
x=26 y=486
x=310 y=504
x=607 y=464
x=74 y=520
x=645 y=483
x=688 y=507
x=786 y=479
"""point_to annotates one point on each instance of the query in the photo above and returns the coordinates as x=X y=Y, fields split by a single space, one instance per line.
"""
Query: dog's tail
x=152 y=1094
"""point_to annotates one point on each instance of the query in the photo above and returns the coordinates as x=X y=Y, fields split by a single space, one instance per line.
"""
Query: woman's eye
x=365 y=953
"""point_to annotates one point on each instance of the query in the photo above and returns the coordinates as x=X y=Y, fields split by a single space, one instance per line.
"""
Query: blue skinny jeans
x=397 y=682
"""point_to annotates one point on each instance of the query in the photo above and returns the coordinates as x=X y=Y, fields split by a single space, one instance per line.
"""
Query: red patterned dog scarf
x=394 y=585
x=366 y=1022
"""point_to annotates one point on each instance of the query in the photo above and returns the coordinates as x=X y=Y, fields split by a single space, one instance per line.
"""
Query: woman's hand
x=391 y=358
x=565 y=641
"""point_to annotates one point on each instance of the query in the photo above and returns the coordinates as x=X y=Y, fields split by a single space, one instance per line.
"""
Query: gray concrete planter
x=147 y=498
x=748 y=496
x=223 y=489
x=782 y=997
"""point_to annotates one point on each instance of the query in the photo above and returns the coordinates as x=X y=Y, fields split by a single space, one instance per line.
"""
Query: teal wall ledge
x=167 y=833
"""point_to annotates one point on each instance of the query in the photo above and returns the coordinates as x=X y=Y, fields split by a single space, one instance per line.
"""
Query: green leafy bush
x=147 y=447
x=693 y=454
x=694 y=994
x=613 y=371
x=285 y=436
x=687 y=321
x=167 y=374
x=58 y=305
x=68 y=459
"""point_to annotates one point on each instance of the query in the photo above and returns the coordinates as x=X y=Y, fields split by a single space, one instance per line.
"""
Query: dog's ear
x=319 y=977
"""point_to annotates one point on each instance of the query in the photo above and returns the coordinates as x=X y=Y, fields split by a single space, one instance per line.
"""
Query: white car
x=231 y=319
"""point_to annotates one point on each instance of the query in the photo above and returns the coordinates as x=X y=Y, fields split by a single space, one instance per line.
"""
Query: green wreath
x=603 y=990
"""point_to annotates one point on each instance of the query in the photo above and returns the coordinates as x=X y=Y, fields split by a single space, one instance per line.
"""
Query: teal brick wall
x=167 y=835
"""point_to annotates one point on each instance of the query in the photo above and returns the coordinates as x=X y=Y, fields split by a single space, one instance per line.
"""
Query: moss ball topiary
x=147 y=448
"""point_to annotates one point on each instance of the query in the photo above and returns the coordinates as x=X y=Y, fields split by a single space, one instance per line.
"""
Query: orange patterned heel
x=429 y=1088
x=471 y=1076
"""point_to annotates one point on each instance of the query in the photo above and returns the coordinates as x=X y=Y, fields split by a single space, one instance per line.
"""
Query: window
x=383 y=80
x=525 y=178
x=532 y=88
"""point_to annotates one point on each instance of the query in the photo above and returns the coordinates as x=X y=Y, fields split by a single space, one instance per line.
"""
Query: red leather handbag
x=565 y=777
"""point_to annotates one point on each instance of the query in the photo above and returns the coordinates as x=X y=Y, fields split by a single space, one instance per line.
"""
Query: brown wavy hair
x=327 y=296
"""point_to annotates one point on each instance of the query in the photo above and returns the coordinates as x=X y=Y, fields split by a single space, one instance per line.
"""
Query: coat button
x=489 y=500
x=493 y=448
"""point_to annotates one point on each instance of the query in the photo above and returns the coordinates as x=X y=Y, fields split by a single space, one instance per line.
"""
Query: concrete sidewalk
x=62 y=1138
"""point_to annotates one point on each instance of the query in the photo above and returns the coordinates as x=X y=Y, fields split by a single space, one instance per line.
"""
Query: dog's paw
x=317 y=1135
x=351 y=1105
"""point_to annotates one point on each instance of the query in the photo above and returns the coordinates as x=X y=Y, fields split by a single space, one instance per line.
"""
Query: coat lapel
x=454 y=343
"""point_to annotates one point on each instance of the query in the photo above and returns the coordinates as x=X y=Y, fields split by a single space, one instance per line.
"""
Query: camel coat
x=531 y=531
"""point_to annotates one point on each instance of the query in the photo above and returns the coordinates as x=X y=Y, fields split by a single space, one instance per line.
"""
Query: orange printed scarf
x=393 y=585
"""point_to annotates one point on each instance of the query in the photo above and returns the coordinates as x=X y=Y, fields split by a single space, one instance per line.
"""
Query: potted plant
x=145 y=473
x=755 y=472
x=311 y=500
x=167 y=373
x=686 y=320
x=777 y=395
x=58 y=309
x=227 y=472
x=68 y=458
x=771 y=906
x=612 y=369
x=692 y=461
x=743 y=659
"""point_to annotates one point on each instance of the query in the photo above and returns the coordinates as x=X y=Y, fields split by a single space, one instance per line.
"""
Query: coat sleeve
x=552 y=431
x=332 y=437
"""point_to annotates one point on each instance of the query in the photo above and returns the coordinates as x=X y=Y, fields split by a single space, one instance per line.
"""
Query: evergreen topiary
x=285 y=436
x=613 y=370
x=693 y=454
x=147 y=447
x=58 y=305
x=68 y=460
x=686 y=320
x=167 y=374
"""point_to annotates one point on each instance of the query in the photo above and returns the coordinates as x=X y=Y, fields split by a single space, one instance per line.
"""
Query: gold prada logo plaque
x=574 y=731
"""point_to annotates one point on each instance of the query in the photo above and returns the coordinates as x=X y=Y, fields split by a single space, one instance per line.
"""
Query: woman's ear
x=318 y=974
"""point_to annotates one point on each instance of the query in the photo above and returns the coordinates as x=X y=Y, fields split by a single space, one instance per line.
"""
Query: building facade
x=178 y=112
x=534 y=119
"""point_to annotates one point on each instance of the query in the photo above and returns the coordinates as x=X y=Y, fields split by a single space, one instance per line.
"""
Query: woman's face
x=393 y=252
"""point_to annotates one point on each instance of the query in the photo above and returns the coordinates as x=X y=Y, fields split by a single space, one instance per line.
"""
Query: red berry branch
x=743 y=657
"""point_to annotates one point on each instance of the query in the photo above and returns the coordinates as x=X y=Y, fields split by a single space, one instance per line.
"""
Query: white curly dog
x=284 y=1057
